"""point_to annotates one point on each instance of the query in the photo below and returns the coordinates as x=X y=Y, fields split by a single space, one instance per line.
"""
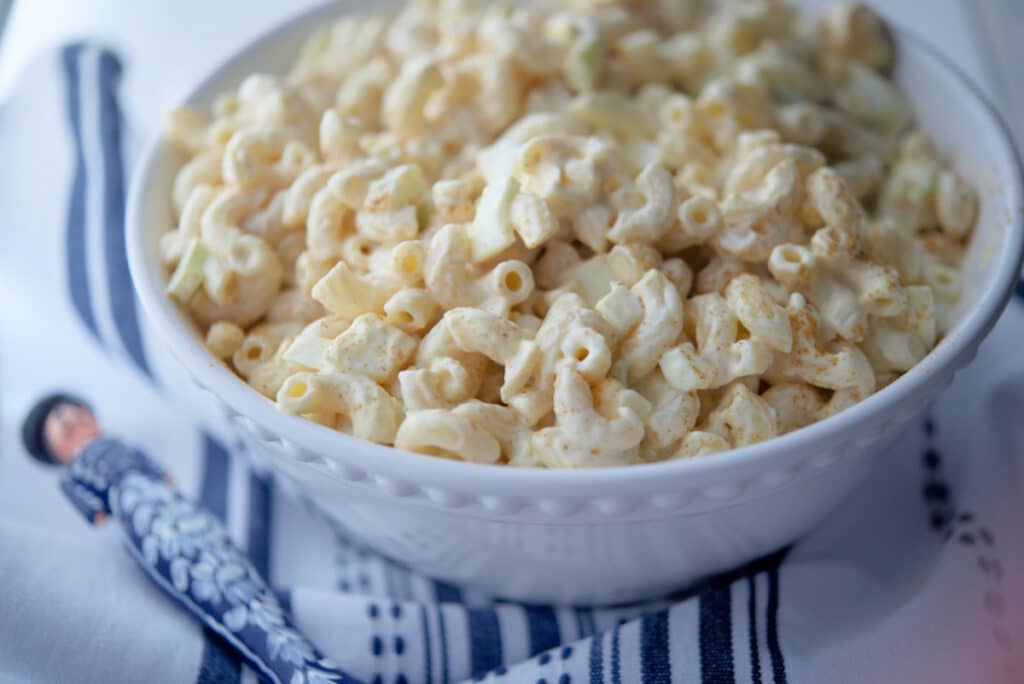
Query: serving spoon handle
x=188 y=553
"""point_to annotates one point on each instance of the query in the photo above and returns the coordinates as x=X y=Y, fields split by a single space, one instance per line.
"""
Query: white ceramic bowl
x=613 y=534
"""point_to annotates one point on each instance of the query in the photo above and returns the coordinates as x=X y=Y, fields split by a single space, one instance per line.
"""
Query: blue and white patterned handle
x=187 y=552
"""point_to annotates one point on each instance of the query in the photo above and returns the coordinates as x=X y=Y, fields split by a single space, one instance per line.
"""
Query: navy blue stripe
x=219 y=665
x=716 y=665
x=1018 y=289
x=596 y=659
x=585 y=622
x=443 y=633
x=447 y=593
x=78 y=278
x=542 y=624
x=655 y=666
x=261 y=492
x=616 y=665
x=284 y=597
x=444 y=593
x=755 y=657
x=485 y=648
x=581 y=625
x=213 y=487
x=772 y=628
x=119 y=283
x=428 y=657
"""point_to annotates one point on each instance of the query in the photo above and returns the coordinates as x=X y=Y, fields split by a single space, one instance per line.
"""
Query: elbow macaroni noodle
x=569 y=233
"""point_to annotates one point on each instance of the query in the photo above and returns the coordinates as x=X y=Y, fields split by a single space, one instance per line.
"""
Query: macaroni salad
x=570 y=233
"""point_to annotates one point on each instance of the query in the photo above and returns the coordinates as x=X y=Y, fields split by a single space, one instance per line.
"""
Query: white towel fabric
x=914 y=579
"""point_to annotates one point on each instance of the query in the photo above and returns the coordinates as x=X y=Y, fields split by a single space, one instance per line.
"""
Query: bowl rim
x=175 y=331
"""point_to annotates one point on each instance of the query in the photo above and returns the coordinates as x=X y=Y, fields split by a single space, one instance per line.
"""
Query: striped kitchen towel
x=914 y=579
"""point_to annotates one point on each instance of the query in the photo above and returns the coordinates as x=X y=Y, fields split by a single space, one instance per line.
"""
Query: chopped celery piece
x=188 y=276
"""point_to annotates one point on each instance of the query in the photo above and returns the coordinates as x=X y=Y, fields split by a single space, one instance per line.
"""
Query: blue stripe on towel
x=772 y=622
x=447 y=593
x=597 y=659
x=581 y=626
x=78 y=279
x=443 y=633
x=444 y=593
x=616 y=666
x=755 y=657
x=485 y=648
x=585 y=622
x=542 y=624
x=261 y=507
x=219 y=662
x=213 y=488
x=219 y=665
x=655 y=666
x=284 y=597
x=261 y=493
x=716 y=666
x=122 y=294
x=1018 y=289
x=428 y=667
